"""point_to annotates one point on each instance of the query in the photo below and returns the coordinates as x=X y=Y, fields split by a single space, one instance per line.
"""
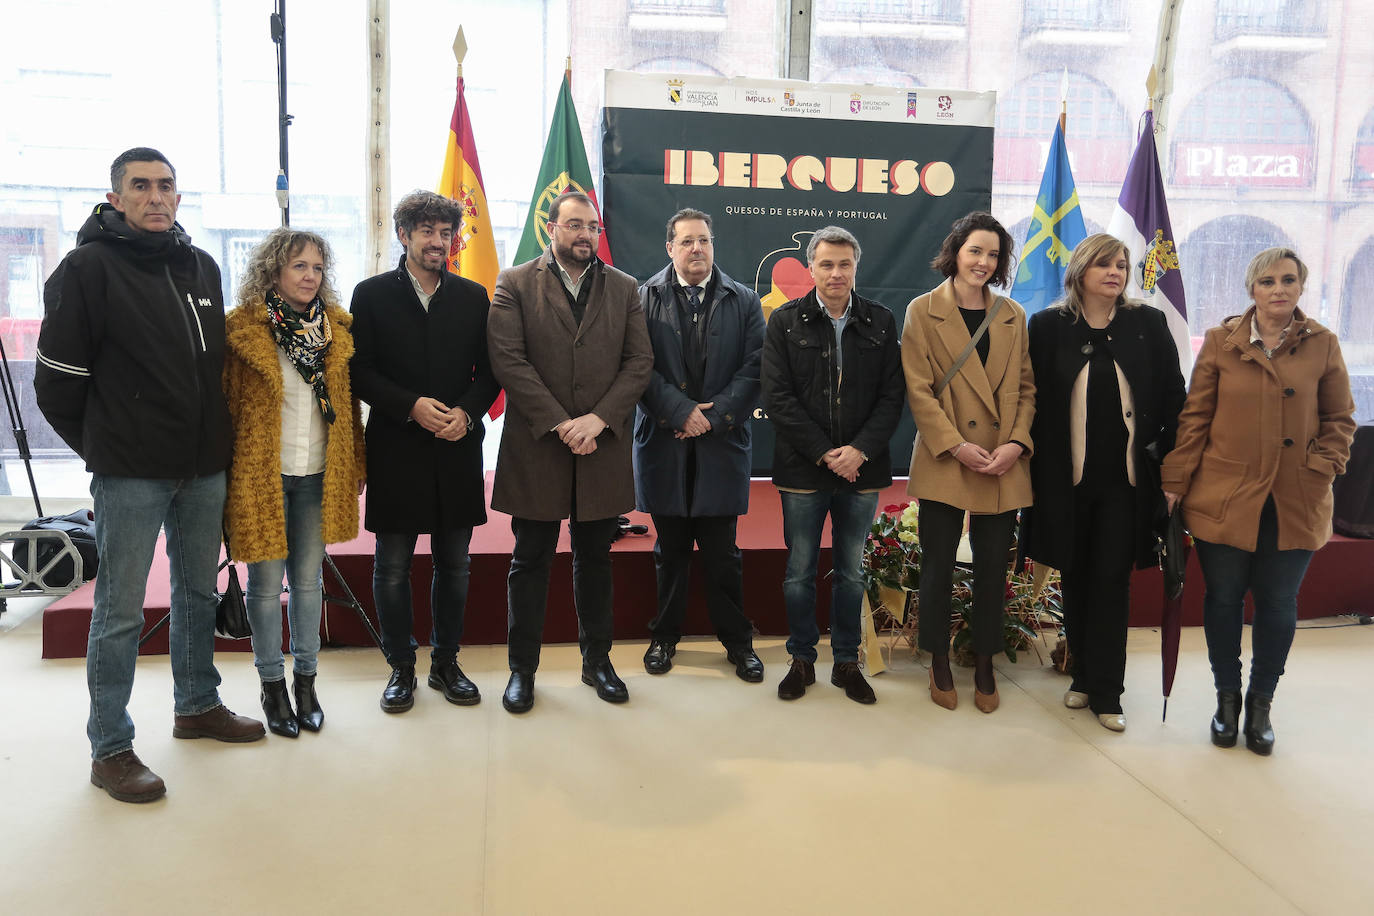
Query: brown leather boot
x=800 y=675
x=218 y=723
x=126 y=779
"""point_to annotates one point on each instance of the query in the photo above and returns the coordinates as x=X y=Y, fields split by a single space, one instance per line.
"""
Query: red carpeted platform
x=1340 y=580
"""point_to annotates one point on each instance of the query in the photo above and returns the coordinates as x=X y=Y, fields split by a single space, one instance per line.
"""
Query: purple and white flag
x=1141 y=220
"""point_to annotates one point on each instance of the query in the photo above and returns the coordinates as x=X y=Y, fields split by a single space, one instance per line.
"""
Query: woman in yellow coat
x=973 y=440
x=298 y=455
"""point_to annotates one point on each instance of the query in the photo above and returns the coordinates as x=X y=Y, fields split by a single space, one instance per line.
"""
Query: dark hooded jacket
x=132 y=351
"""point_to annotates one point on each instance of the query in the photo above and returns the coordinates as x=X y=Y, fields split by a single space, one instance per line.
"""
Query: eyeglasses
x=577 y=228
x=686 y=244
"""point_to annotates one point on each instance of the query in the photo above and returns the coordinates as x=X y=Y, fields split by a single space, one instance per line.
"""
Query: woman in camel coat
x=973 y=441
x=1266 y=428
x=298 y=455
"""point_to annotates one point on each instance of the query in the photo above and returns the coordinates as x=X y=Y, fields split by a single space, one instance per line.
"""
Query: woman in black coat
x=1108 y=394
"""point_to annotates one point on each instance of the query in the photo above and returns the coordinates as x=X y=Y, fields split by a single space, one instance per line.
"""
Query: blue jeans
x=1272 y=577
x=303 y=498
x=448 y=594
x=129 y=512
x=803 y=518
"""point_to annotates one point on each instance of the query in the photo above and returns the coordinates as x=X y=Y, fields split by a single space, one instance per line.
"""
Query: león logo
x=856 y=104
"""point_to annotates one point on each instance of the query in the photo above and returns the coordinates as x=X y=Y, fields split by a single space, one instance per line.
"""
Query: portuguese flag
x=473 y=254
x=564 y=169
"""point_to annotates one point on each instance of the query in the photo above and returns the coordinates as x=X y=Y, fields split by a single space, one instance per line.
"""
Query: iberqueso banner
x=774 y=160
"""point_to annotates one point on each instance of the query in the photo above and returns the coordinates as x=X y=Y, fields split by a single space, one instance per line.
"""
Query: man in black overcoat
x=692 y=444
x=421 y=365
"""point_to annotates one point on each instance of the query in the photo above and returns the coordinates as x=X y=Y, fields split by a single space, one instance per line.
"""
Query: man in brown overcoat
x=568 y=342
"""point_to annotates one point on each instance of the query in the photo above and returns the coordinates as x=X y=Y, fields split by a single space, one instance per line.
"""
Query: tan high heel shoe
x=946 y=698
x=986 y=702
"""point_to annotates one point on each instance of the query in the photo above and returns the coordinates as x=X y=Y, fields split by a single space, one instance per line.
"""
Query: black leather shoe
x=800 y=675
x=277 y=708
x=449 y=678
x=1225 y=723
x=1259 y=733
x=848 y=676
x=399 y=694
x=603 y=677
x=747 y=664
x=519 y=695
x=308 y=712
x=659 y=658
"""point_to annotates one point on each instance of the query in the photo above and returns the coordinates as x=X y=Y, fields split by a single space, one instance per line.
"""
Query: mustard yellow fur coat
x=254 y=511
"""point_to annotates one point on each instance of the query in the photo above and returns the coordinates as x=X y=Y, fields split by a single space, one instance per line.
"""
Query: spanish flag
x=473 y=254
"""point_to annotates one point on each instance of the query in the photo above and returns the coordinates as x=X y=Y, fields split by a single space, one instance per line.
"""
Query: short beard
x=570 y=255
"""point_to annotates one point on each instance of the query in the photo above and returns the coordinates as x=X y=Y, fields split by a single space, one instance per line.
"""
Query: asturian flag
x=473 y=254
x=1141 y=220
x=1056 y=229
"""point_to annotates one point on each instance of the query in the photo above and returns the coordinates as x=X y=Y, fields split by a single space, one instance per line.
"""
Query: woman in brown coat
x=1266 y=427
x=973 y=440
x=298 y=455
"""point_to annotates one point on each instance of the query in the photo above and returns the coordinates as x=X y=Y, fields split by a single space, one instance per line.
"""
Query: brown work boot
x=126 y=779
x=800 y=675
x=218 y=723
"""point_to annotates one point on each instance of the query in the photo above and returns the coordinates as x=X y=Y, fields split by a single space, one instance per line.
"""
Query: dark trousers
x=1097 y=593
x=941 y=526
x=1272 y=578
x=448 y=593
x=527 y=587
x=721 y=567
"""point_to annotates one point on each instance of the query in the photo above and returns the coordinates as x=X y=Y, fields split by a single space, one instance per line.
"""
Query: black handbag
x=231 y=612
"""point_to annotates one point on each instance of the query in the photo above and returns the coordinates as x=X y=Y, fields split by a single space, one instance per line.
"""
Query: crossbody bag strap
x=972 y=345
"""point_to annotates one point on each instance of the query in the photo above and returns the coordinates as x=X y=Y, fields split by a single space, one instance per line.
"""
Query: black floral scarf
x=305 y=339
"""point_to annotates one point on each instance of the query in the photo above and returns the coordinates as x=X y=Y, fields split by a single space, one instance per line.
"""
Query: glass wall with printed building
x=1267 y=138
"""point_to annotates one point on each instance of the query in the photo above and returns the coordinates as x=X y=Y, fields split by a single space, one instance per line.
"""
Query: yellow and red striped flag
x=473 y=254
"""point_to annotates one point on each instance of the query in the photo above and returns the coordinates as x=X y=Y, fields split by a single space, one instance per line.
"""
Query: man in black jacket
x=421 y=364
x=128 y=374
x=693 y=448
x=833 y=387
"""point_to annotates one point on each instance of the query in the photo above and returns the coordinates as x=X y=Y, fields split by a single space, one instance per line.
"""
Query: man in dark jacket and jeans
x=833 y=387
x=692 y=451
x=128 y=374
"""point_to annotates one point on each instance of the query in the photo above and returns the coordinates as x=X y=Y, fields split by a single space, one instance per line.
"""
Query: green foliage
x=892 y=560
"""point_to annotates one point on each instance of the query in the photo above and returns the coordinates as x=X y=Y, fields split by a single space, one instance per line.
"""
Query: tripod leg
x=152 y=631
x=350 y=601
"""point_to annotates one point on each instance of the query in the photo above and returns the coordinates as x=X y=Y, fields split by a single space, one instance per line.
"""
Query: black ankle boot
x=308 y=712
x=1259 y=734
x=277 y=707
x=1225 y=723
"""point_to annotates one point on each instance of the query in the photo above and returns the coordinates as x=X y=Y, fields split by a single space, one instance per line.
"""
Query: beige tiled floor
x=702 y=795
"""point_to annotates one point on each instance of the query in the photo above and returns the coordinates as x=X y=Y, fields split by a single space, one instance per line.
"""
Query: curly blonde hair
x=272 y=254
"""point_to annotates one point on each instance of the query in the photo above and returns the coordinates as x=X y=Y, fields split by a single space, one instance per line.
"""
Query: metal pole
x=797 y=62
x=278 y=29
x=378 y=136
